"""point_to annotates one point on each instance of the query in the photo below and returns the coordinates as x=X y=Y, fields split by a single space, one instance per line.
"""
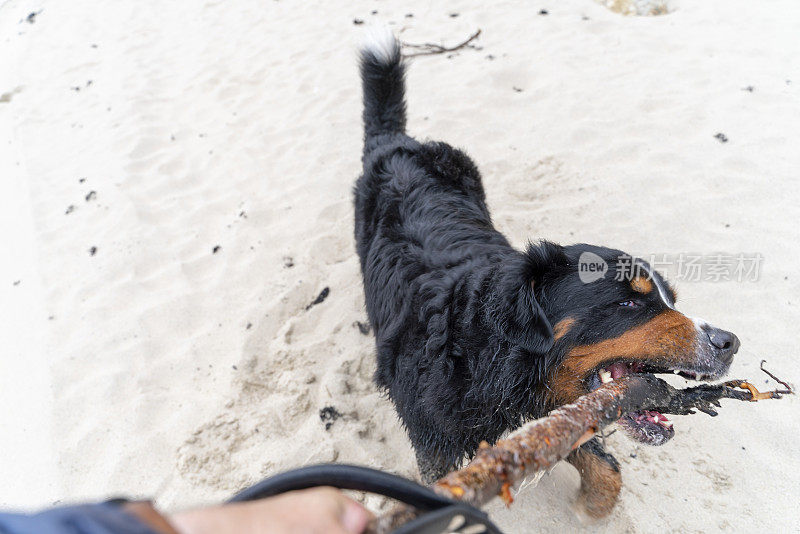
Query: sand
x=176 y=184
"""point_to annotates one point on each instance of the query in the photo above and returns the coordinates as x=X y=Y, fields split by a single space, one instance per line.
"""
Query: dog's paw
x=591 y=507
x=580 y=508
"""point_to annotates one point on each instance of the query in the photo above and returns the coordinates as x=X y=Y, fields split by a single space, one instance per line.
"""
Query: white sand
x=238 y=125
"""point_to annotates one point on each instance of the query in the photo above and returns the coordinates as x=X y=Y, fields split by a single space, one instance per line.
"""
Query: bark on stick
x=540 y=444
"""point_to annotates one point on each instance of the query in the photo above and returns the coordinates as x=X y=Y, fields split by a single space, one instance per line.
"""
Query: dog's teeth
x=605 y=376
x=676 y=371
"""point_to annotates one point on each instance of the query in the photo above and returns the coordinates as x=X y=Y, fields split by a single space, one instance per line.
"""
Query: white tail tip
x=381 y=43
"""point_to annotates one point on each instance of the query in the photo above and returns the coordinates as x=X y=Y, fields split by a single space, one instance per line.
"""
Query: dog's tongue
x=652 y=416
x=617 y=370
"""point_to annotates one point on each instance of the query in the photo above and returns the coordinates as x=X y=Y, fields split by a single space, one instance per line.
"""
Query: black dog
x=474 y=337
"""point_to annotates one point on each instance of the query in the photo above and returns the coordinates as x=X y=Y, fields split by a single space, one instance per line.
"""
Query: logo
x=591 y=267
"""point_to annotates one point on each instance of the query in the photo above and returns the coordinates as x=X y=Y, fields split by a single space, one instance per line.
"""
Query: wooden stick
x=429 y=49
x=541 y=443
x=786 y=391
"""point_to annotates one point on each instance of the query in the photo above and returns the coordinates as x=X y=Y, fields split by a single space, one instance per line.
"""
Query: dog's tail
x=382 y=80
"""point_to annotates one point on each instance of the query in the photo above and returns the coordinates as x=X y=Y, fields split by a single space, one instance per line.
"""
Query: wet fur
x=461 y=340
x=464 y=322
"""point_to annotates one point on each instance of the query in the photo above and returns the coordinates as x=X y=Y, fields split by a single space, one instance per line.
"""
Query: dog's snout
x=725 y=342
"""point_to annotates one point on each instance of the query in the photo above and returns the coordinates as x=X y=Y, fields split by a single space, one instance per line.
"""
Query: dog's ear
x=513 y=308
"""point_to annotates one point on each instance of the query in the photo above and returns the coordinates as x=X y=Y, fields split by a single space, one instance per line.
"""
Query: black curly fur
x=459 y=331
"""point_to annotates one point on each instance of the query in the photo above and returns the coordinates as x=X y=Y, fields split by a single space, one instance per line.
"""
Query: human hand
x=311 y=511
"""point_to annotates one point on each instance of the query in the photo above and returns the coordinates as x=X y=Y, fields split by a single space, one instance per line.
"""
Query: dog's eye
x=629 y=304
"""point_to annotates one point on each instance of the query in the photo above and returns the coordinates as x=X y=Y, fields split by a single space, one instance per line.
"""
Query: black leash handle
x=344 y=476
x=439 y=511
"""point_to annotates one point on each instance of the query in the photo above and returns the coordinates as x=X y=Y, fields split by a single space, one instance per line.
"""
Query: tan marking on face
x=642 y=285
x=562 y=327
x=668 y=339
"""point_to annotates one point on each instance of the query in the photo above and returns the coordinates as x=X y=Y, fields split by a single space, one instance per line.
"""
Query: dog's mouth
x=647 y=426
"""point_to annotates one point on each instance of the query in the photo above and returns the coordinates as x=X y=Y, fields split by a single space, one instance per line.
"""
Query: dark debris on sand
x=320 y=298
x=364 y=327
x=328 y=415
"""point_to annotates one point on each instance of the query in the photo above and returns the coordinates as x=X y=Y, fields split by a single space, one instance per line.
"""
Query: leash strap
x=438 y=514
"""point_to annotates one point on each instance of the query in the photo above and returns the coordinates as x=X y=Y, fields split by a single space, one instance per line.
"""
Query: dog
x=474 y=337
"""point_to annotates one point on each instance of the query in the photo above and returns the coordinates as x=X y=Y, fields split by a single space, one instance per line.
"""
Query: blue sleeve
x=105 y=518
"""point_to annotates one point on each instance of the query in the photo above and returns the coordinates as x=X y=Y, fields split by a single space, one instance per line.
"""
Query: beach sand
x=176 y=184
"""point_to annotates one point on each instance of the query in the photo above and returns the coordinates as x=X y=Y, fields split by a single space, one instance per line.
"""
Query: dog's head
x=610 y=315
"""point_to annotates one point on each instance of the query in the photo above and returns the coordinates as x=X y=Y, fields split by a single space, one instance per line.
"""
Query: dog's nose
x=725 y=342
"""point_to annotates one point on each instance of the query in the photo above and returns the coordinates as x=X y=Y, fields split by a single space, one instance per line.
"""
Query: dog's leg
x=431 y=469
x=600 y=480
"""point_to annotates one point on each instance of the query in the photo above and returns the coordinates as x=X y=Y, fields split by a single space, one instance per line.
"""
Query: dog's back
x=441 y=284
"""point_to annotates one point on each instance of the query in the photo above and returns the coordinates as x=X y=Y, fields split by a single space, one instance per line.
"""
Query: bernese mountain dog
x=473 y=336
